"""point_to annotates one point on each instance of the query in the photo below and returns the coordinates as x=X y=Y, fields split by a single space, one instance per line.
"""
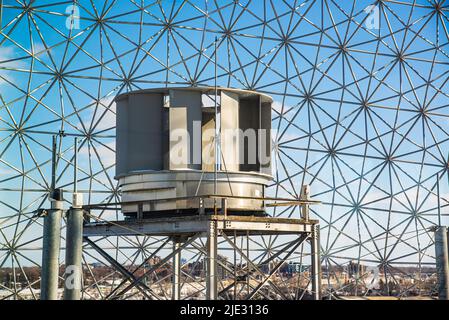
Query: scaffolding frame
x=183 y=231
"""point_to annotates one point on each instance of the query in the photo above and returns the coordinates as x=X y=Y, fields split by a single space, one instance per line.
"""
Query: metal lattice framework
x=361 y=114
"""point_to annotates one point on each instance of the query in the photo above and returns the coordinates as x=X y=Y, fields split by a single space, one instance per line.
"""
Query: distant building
x=152 y=262
x=296 y=267
x=198 y=268
x=356 y=269
x=96 y=265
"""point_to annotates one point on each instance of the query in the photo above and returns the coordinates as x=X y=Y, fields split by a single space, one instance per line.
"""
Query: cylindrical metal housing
x=165 y=149
x=442 y=262
x=50 y=252
x=73 y=254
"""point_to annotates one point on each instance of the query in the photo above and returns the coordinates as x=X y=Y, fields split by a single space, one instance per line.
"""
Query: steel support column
x=50 y=251
x=442 y=262
x=73 y=255
x=176 y=282
x=315 y=274
x=211 y=268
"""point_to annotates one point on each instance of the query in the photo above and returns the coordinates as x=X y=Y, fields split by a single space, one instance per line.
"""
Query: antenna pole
x=53 y=164
x=216 y=129
x=52 y=237
x=74 y=239
x=75 y=166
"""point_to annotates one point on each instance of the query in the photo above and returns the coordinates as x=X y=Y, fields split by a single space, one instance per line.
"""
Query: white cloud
x=40 y=51
x=7 y=171
x=7 y=56
x=104 y=117
x=378 y=199
x=277 y=106
x=105 y=154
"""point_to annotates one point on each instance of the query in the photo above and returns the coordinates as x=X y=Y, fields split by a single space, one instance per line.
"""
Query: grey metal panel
x=207 y=141
x=143 y=130
x=192 y=100
x=265 y=140
x=139 y=133
x=179 y=143
x=121 y=154
x=249 y=120
x=229 y=129
x=166 y=138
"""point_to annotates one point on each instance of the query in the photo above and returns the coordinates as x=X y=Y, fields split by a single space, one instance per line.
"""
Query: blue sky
x=83 y=92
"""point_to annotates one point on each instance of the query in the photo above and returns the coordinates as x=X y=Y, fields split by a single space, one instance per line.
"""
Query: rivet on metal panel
x=201 y=206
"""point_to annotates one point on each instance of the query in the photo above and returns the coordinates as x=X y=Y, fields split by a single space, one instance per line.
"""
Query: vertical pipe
x=248 y=289
x=442 y=262
x=235 y=265
x=216 y=130
x=224 y=206
x=75 y=166
x=176 y=288
x=73 y=257
x=316 y=262
x=74 y=241
x=50 y=252
x=51 y=239
x=53 y=164
x=211 y=268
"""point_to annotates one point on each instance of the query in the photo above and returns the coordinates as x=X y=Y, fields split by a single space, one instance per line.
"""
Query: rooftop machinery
x=193 y=164
x=166 y=149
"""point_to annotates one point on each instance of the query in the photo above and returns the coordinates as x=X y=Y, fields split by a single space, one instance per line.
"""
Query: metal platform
x=184 y=231
x=190 y=225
